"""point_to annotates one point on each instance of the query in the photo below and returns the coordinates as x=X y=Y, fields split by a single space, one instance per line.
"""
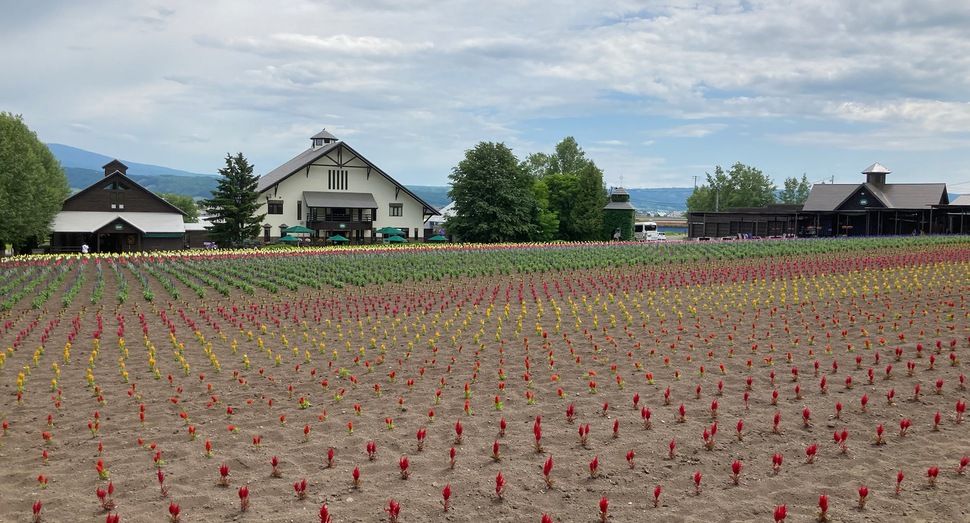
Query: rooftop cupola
x=876 y=174
x=322 y=138
x=114 y=166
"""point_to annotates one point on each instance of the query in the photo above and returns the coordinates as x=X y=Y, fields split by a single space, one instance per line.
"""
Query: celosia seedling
x=300 y=488
x=776 y=461
x=500 y=486
x=863 y=496
x=243 y=498
x=823 y=507
x=546 y=471
x=393 y=510
x=931 y=474
x=962 y=467
x=404 y=463
x=446 y=497
x=736 y=471
x=810 y=452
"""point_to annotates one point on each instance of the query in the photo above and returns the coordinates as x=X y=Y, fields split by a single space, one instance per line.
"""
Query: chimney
x=114 y=166
x=876 y=174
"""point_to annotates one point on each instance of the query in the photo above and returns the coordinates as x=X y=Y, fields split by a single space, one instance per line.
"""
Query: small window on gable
x=116 y=186
x=117 y=200
x=396 y=209
x=275 y=207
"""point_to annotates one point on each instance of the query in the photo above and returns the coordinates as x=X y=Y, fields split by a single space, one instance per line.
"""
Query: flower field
x=767 y=381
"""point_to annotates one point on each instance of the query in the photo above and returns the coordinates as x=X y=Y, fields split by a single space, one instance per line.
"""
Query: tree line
x=546 y=197
x=557 y=196
x=745 y=186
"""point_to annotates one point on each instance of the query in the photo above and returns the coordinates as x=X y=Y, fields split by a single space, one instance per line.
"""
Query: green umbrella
x=437 y=238
x=390 y=231
x=396 y=239
x=289 y=238
x=337 y=238
x=298 y=229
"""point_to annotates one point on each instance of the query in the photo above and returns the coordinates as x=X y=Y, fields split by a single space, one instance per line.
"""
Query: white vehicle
x=647 y=232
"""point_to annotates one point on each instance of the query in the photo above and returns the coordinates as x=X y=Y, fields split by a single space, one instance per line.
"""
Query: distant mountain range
x=85 y=167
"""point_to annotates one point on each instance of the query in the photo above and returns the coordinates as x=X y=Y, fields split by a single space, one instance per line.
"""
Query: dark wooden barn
x=115 y=215
x=872 y=208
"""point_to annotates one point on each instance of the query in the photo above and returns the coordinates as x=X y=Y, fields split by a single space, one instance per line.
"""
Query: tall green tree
x=234 y=203
x=562 y=190
x=33 y=186
x=547 y=218
x=795 y=191
x=576 y=191
x=586 y=215
x=569 y=158
x=742 y=186
x=185 y=203
x=493 y=197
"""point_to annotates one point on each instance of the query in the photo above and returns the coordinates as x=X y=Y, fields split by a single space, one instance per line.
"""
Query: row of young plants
x=314 y=268
x=601 y=336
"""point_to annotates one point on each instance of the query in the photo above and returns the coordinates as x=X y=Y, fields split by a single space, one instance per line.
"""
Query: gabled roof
x=963 y=199
x=830 y=197
x=116 y=177
x=92 y=221
x=307 y=157
x=915 y=195
x=115 y=165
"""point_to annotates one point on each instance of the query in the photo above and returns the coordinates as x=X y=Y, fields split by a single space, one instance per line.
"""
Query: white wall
x=291 y=190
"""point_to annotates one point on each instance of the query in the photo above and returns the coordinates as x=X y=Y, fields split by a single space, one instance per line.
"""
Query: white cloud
x=416 y=84
x=699 y=130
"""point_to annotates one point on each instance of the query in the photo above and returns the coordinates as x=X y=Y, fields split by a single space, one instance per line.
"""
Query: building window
x=299 y=210
x=275 y=207
x=397 y=209
x=117 y=200
x=337 y=180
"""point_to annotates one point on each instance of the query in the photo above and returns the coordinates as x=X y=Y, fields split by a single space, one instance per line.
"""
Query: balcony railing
x=340 y=217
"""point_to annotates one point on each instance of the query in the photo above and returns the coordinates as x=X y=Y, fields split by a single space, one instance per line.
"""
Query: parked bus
x=647 y=232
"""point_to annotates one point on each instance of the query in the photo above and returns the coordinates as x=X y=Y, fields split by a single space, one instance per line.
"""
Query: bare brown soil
x=572 y=328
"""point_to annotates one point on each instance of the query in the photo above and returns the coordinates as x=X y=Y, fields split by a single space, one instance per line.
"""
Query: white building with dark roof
x=332 y=189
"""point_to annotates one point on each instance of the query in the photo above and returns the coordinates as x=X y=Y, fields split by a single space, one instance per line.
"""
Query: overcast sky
x=654 y=91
